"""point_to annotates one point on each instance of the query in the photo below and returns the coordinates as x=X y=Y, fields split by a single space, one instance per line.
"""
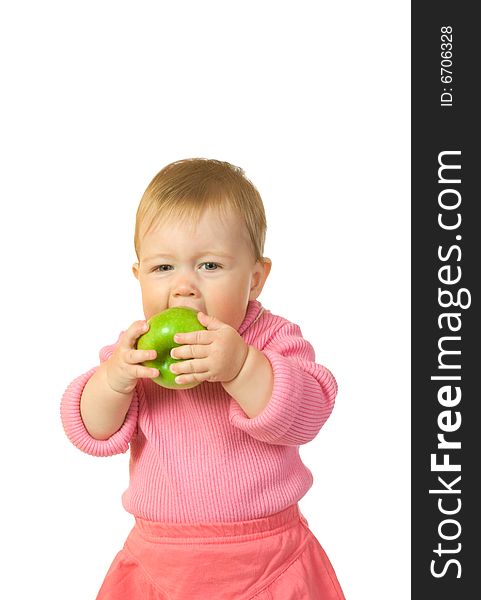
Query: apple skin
x=160 y=337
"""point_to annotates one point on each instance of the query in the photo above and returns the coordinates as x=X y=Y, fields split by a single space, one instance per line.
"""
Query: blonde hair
x=186 y=188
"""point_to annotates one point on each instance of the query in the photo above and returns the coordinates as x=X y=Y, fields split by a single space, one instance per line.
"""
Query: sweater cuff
x=76 y=431
x=280 y=414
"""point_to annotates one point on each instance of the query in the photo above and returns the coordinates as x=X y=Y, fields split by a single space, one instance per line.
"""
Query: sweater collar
x=253 y=312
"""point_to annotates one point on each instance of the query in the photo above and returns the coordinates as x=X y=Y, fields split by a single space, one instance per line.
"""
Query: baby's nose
x=185 y=286
x=184 y=291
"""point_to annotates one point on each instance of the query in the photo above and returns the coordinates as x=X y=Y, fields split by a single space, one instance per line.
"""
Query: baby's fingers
x=130 y=337
x=134 y=357
x=140 y=371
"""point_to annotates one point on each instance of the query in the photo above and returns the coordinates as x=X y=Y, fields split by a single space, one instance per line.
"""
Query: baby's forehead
x=225 y=226
x=224 y=217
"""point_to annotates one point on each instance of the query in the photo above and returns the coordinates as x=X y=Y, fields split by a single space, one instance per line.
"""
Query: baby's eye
x=210 y=266
x=163 y=268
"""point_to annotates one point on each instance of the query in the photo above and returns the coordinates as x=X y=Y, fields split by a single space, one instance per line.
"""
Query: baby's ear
x=267 y=266
x=135 y=270
x=261 y=273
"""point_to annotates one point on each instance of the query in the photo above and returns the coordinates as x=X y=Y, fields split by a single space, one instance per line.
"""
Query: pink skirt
x=273 y=558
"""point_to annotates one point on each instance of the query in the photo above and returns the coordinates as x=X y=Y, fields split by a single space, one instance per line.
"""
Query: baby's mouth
x=186 y=305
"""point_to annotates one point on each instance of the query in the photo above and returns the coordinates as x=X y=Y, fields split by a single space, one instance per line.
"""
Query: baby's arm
x=303 y=393
x=252 y=388
x=72 y=414
x=75 y=428
x=108 y=394
x=103 y=410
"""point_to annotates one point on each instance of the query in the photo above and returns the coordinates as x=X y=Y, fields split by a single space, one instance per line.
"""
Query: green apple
x=160 y=337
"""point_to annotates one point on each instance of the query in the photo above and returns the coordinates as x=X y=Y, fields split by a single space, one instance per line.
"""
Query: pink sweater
x=195 y=456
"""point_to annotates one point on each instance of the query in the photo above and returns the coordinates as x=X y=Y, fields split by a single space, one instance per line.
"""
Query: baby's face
x=210 y=268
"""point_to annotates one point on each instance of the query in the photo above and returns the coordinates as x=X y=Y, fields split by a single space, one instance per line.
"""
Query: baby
x=215 y=471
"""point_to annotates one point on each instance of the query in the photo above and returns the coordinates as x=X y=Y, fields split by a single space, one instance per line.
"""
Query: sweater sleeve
x=303 y=393
x=74 y=427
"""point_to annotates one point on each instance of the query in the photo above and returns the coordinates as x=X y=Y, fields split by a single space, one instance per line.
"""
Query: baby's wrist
x=243 y=363
x=252 y=387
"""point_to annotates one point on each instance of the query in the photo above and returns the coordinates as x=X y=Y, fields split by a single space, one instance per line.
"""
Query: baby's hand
x=217 y=353
x=123 y=368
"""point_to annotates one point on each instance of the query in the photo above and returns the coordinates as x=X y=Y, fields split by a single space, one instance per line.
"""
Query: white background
x=312 y=100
